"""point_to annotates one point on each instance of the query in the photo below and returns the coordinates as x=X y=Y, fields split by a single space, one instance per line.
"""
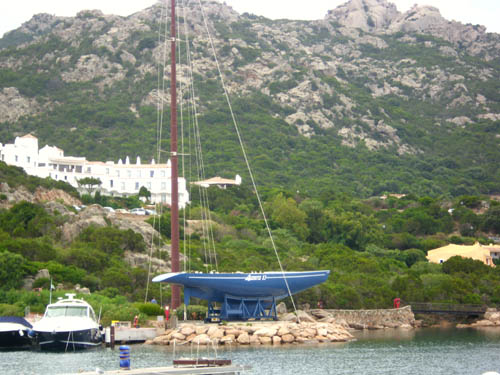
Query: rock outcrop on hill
x=41 y=195
x=316 y=69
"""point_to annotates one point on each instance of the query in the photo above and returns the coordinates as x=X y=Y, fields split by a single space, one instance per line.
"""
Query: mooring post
x=112 y=337
x=124 y=357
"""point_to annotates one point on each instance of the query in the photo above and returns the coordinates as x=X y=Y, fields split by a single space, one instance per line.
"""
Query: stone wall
x=375 y=319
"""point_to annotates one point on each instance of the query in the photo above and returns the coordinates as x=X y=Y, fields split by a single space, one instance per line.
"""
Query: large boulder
x=288 y=338
x=43 y=273
x=320 y=314
x=289 y=317
x=305 y=317
x=215 y=333
x=281 y=308
x=265 y=332
x=201 y=329
x=228 y=339
x=243 y=339
x=202 y=339
x=187 y=330
x=265 y=340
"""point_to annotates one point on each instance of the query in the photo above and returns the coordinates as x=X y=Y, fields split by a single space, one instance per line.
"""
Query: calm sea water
x=425 y=351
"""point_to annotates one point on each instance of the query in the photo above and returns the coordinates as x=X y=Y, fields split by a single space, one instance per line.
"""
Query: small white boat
x=68 y=324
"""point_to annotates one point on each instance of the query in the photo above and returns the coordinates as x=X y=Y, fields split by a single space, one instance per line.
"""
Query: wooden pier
x=203 y=370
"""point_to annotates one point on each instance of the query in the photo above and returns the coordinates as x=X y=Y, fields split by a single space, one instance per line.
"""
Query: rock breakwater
x=258 y=333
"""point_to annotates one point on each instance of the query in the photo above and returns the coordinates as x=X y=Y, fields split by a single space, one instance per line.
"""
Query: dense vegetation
x=375 y=249
x=321 y=196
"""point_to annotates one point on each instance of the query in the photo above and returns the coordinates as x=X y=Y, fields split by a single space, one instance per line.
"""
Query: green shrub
x=194 y=312
x=150 y=309
x=125 y=312
x=42 y=282
x=11 y=310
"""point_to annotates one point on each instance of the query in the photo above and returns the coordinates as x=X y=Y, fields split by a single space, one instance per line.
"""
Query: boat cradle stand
x=243 y=308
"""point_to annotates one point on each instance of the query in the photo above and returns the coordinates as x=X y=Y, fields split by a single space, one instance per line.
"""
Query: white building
x=120 y=179
x=222 y=183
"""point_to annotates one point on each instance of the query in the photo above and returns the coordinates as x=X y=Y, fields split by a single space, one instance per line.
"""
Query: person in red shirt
x=167 y=313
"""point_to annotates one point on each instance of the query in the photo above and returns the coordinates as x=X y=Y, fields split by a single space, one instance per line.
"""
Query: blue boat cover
x=15 y=319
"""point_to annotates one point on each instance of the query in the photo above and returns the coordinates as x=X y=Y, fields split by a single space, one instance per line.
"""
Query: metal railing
x=421 y=307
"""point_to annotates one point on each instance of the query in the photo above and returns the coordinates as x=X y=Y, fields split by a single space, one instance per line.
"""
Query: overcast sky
x=14 y=12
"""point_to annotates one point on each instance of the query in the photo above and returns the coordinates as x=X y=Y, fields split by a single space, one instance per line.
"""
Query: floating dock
x=129 y=335
x=202 y=370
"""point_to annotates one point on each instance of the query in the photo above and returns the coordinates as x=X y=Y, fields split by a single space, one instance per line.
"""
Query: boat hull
x=14 y=333
x=69 y=340
x=216 y=287
x=13 y=340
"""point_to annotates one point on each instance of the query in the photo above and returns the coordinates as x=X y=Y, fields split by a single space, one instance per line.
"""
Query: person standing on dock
x=167 y=315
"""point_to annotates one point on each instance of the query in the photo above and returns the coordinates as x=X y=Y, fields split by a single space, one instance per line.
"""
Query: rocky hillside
x=365 y=88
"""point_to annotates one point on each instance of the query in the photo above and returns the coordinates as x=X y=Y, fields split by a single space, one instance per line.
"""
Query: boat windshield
x=58 y=311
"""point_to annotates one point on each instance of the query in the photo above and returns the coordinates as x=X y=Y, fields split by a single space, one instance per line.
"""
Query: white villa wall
x=120 y=179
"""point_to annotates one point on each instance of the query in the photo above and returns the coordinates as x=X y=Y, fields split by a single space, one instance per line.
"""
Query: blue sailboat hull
x=243 y=295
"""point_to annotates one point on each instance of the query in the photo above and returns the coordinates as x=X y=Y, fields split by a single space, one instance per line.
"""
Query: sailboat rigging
x=174 y=209
x=242 y=295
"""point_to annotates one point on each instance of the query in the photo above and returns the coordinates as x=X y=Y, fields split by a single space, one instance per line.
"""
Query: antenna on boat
x=174 y=208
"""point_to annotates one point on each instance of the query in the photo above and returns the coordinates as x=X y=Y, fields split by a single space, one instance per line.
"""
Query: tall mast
x=176 y=300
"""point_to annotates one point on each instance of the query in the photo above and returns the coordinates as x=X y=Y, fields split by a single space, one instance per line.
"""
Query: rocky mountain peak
x=368 y=15
x=428 y=20
x=419 y=19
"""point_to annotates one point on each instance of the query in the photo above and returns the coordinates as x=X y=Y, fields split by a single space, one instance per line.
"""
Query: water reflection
x=426 y=351
x=386 y=334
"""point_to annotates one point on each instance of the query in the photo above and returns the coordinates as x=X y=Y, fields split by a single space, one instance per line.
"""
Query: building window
x=41 y=164
x=89 y=170
x=136 y=186
x=3 y=157
x=162 y=173
x=66 y=178
x=123 y=185
x=129 y=173
x=28 y=159
x=149 y=186
x=107 y=170
x=78 y=169
x=16 y=158
x=110 y=183
x=117 y=173
x=163 y=186
x=151 y=173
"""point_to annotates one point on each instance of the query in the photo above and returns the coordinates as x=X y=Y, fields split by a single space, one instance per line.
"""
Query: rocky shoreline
x=312 y=327
x=491 y=319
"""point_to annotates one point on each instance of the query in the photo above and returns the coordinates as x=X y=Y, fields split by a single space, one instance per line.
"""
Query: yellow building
x=485 y=254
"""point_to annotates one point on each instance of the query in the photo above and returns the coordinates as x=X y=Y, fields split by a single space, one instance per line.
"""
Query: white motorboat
x=68 y=324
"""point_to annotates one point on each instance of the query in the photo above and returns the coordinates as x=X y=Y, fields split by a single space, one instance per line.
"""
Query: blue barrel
x=124 y=357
